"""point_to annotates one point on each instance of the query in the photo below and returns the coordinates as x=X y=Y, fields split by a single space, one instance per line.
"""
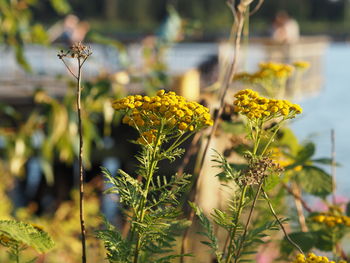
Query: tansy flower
x=331 y=220
x=311 y=258
x=167 y=110
x=252 y=105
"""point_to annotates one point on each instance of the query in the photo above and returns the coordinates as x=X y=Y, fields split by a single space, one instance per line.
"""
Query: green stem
x=178 y=142
x=81 y=169
x=17 y=254
x=280 y=223
x=257 y=138
x=271 y=137
x=142 y=211
x=248 y=222
x=233 y=233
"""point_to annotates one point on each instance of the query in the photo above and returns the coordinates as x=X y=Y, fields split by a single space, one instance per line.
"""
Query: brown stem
x=192 y=150
x=226 y=84
x=333 y=165
x=248 y=222
x=81 y=170
x=298 y=196
x=299 y=207
x=280 y=223
x=257 y=7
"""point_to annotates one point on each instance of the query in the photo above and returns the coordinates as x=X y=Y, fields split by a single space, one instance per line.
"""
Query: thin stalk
x=150 y=172
x=280 y=223
x=233 y=233
x=248 y=223
x=226 y=84
x=257 y=138
x=178 y=142
x=298 y=196
x=193 y=148
x=333 y=165
x=299 y=207
x=81 y=171
x=272 y=137
x=17 y=254
x=81 y=53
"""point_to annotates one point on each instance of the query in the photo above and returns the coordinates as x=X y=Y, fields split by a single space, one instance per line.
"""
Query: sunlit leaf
x=315 y=181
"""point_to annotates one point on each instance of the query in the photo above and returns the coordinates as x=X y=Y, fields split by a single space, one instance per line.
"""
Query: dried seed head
x=77 y=50
x=258 y=169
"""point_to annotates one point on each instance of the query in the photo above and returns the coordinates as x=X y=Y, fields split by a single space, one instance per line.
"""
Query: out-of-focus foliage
x=25 y=234
x=64 y=228
x=17 y=26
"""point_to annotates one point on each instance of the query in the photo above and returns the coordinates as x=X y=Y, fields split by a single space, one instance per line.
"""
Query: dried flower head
x=258 y=169
x=77 y=50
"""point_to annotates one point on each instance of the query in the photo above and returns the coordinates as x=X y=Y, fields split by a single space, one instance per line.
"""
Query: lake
x=330 y=109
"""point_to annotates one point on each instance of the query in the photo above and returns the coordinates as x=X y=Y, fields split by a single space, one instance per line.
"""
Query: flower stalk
x=81 y=53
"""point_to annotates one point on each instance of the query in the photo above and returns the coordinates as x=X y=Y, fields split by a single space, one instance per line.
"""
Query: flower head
x=168 y=110
x=301 y=64
x=311 y=257
x=253 y=106
x=331 y=220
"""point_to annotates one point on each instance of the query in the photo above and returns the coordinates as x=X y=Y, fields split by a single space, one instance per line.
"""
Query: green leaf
x=21 y=59
x=315 y=181
x=289 y=139
x=305 y=153
x=47 y=169
x=208 y=227
x=61 y=6
x=327 y=161
x=271 y=181
x=306 y=241
x=347 y=211
x=27 y=234
x=324 y=240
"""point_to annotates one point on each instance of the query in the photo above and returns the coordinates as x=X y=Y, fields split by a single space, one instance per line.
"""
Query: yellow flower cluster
x=332 y=220
x=266 y=70
x=148 y=137
x=312 y=258
x=250 y=104
x=277 y=69
x=301 y=64
x=167 y=109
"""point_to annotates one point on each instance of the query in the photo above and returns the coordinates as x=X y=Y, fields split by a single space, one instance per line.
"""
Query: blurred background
x=142 y=46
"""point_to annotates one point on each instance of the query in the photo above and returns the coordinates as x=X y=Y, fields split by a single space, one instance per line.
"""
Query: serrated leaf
x=306 y=241
x=289 y=139
x=324 y=240
x=27 y=234
x=315 y=181
x=327 y=161
x=305 y=153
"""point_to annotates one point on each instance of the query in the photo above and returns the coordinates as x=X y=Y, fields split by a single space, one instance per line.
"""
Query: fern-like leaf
x=27 y=234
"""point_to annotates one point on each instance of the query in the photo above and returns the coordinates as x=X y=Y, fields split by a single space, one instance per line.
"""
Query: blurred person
x=285 y=30
x=69 y=31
